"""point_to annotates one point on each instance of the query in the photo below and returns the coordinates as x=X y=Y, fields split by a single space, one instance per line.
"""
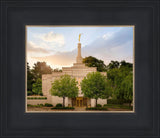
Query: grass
x=118 y=106
x=98 y=108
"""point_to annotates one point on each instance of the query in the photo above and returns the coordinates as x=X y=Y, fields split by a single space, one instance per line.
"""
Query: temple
x=78 y=71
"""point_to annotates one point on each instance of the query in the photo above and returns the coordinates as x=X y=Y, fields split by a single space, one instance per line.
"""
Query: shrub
x=35 y=98
x=97 y=108
x=48 y=105
x=99 y=105
x=40 y=105
x=41 y=94
x=67 y=108
x=29 y=93
x=115 y=101
x=104 y=105
x=59 y=105
x=29 y=105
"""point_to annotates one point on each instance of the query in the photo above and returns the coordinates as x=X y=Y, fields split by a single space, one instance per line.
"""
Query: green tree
x=40 y=68
x=57 y=70
x=37 y=87
x=94 y=62
x=64 y=87
x=30 y=80
x=108 y=90
x=127 y=88
x=113 y=64
x=123 y=63
x=94 y=85
x=121 y=79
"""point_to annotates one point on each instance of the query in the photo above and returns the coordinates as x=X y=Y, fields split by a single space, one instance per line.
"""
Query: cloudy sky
x=57 y=46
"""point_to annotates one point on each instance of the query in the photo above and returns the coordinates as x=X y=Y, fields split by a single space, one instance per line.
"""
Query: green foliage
x=118 y=106
x=66 y=86
x=29 y=93
x=40 y=68
x=99 y=105
x=37 y=87
x=97 y=108
x=123 y=63
x=113 y=64
x=48 y=105
x=38 y=105
x=30 y=80
x=116 y=65
x=115 y=101
x=38 y=98
x=59 y=105
x=67 y=108
x=34 y=74
x=127 y=87
x=95 y=86
x=94 y=62
x=121 y=79
x=57 y=70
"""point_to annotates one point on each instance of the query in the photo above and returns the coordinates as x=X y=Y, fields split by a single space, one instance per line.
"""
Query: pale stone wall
x=35 y=102
x=93 y=102
x=55 y=100
x=99 y=101
x=102 y=101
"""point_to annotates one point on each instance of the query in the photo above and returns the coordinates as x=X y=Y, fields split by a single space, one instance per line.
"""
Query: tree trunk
x=63 y=101
x=96 y=102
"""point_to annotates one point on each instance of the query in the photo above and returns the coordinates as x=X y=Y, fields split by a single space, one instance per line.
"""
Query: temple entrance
x=79 y=102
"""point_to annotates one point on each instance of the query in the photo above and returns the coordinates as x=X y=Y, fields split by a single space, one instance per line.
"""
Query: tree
x=65 y=87
x=30 y=80
x=94 y=62
x=108 y=90
x=40 y=68
x=94 y=85
x=37 y=87
x=127 y=88
x=57 y=70
x=113 y=64
x=123 y=63
x=122 y=81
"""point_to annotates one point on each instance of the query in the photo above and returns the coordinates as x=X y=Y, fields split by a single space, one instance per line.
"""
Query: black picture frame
x=144 y=14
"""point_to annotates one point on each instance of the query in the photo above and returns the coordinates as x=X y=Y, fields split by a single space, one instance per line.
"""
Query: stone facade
x=78 y=71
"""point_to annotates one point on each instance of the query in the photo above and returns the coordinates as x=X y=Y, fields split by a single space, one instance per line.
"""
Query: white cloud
x=33 y=48
x=107 y=35
x=52 y=37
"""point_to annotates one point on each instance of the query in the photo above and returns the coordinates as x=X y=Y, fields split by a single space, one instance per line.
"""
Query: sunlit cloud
x=33 y=48
x=52 y=37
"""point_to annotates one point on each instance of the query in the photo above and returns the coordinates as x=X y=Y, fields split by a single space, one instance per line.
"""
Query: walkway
x=80 y=108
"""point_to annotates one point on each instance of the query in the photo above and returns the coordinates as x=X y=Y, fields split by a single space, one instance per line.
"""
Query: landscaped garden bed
x=97 y=108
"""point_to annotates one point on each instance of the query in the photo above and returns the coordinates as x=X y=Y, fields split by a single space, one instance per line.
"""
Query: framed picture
x=80 y=69
x=60 y=79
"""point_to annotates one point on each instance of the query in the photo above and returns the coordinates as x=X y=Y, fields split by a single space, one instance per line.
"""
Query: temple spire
x=79 y=57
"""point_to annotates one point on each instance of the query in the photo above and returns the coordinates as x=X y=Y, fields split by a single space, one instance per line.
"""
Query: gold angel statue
x=79 y=37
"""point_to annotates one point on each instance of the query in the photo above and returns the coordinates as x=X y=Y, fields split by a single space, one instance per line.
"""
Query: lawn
x=118 y=106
